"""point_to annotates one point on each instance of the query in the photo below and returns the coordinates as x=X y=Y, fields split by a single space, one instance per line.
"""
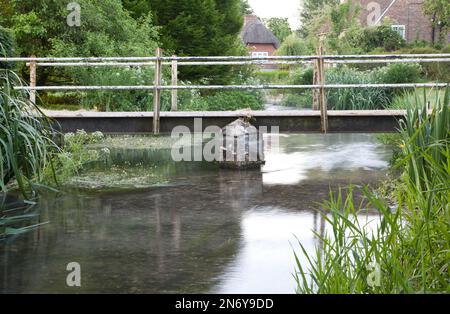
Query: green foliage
x=354 y=98
x=137 y=8
x=310 y=10
x=383 y=36
x=75 y=155
x=201 y=28
x=279 y=26
x=246 y=8
x=409 y=247
x=278 y=76
x=294 y=46
x=396 y=73
x=6 y=47
x=225 y=100
x=439 y=14
x=106 y=30
x=403 y=101
x=26 y=145
x=439 y=71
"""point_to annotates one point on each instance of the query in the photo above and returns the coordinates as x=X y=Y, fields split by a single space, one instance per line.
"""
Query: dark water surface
x=200 y=230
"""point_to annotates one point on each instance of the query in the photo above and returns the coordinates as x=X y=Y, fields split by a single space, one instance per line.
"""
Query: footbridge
x=319 y=119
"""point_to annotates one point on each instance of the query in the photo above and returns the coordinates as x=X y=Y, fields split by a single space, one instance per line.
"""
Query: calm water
x=198 y=230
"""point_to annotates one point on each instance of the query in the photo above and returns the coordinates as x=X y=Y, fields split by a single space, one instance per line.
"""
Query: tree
x=6 y=47
x=294 y=46
x=439 y=13
x=310 y=8
x=200 y=28
x=40 y=27
x=280 y=27
x=246 y=9
x=137 y=8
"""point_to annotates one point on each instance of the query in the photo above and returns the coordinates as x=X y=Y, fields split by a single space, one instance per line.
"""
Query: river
x=199 y=229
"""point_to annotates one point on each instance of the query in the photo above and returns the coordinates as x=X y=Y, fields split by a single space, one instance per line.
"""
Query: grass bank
x=409 y=250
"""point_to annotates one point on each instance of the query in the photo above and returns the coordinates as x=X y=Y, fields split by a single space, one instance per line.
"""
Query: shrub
x=294 y=46
x=397 y=73
x=439 y=71
x=225 y=100
x=300 y=98
x=273 y=76
x=371 y=38
x=75 y=155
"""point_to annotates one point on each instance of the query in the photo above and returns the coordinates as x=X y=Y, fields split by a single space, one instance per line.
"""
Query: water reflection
x=207 y=230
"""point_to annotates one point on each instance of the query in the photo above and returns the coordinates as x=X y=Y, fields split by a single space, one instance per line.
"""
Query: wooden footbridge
x=319 y=119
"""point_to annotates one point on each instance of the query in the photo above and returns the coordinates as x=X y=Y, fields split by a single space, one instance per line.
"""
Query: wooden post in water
x=33 y=80
x=157 y=92
x=174 y=83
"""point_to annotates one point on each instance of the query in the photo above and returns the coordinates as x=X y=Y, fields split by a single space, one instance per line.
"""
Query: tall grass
x=409 y=250
x=26 y=144
x=26 y=149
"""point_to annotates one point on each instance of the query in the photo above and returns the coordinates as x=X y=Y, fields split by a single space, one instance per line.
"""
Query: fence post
x=33 y=80
x=316 y=81
x=322 y=92
x=157 y=92
x=174 y=83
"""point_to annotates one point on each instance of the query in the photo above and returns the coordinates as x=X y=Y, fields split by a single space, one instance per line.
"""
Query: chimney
x=250 y=18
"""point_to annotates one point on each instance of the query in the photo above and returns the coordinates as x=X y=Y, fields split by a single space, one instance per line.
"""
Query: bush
x=273 y=76
x=225 y=100
x=436 y=71
x=397 y=73
x=371 y=38
x=300 y=98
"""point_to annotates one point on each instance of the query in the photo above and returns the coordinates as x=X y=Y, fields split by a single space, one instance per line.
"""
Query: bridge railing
x=318 y=87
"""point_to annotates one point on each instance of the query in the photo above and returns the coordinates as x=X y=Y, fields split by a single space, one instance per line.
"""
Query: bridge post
x=33 y=67
x=157 y=92
x=174 y=83
x=321 y=98
x=315 y=91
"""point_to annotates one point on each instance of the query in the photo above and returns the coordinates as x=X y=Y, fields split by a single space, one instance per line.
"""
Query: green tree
x=200 y=28
x=6 y=47
x=137 y=8
x=107 y=29
x=280 y=27
x=294 y=46
x=439 y=13
x=246 y=8
x=310 y=9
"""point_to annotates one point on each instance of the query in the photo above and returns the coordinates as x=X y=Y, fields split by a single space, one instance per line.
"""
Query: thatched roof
x=255 y=32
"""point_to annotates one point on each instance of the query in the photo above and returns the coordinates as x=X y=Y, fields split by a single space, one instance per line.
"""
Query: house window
x=401 y=29
x=260 y=54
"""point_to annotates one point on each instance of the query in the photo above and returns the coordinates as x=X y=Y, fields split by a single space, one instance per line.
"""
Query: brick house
x=406 y=16
x=258 y=39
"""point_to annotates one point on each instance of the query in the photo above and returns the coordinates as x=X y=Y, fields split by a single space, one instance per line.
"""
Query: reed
x=409 y=250
x=26 y=145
